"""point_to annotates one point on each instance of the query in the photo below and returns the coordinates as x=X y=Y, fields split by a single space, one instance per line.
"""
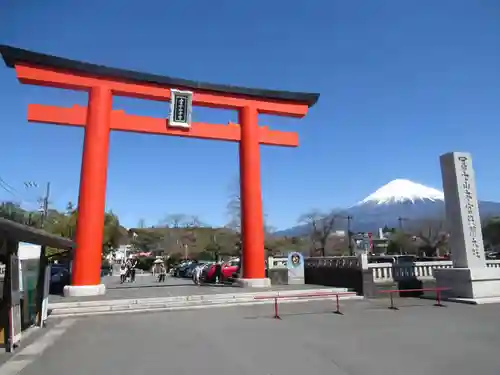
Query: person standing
x=133 y=267
x=218 y=272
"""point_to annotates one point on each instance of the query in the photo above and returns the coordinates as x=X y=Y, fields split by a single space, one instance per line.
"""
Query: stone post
x=369 y=289
x=469 y=279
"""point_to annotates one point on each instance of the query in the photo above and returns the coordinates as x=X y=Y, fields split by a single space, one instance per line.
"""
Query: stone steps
x=83 y=308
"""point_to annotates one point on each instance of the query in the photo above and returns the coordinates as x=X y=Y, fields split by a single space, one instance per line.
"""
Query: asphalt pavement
x=369 y=339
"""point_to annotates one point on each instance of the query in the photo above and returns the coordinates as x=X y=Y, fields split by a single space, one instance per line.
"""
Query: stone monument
x=295 y=265
x=469 y=279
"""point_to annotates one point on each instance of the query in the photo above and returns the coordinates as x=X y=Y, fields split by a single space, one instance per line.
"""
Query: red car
x=228 y=269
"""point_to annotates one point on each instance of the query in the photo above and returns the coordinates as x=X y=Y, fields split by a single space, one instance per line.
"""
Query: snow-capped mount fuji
x=403 y=191
x=399 y=198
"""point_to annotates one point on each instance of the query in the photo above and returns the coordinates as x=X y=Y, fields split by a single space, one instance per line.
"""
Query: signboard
x=46 y=289
x=181 y=105
x=15 y=306
x=29 y=275
x=295 y=265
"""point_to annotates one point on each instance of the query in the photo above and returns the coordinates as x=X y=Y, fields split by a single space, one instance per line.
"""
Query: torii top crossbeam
x=46 y=70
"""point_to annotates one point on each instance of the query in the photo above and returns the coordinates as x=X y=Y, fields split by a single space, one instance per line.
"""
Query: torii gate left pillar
x=99 y=119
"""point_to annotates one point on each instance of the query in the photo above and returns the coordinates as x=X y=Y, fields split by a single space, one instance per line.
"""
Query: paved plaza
x=369 y=339
x=147 y=287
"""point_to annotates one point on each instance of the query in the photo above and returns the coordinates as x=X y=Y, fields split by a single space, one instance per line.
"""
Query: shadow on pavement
x=144 y=286
x=159 y=285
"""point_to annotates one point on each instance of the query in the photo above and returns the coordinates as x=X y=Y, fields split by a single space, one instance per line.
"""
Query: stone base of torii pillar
x=469 y=279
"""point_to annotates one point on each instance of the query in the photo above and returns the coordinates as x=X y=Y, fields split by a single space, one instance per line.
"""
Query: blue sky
x=401 y=82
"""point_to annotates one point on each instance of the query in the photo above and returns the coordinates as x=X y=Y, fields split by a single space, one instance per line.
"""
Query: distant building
x=123 y=252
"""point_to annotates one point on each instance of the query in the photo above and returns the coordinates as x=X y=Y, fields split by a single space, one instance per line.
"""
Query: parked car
x=60 y=276
x=178 y=267
x=181 y=272
x=228 y=270
x=106 y=271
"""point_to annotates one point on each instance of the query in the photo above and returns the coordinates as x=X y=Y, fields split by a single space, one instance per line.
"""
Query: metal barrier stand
x=276 y=314
x=392 y=307
x=317 y=295
x=437 y=290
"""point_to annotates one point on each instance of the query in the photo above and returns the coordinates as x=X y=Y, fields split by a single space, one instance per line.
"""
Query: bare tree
x=320 y=225
x=180 y=233
x=337 y=245
x=174 y=221
x=433 y=236
x=233 y=209
x=190 y=234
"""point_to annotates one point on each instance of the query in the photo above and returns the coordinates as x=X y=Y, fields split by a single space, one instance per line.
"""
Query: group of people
x=127 y=271
x=160 y=271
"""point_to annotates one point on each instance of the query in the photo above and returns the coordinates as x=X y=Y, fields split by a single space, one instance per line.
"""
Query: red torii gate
x=102 y=83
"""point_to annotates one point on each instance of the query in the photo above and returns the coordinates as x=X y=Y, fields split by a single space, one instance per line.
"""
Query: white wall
x=28 y=251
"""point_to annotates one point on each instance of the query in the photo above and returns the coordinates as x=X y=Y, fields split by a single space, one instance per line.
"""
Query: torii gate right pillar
x=252 y=222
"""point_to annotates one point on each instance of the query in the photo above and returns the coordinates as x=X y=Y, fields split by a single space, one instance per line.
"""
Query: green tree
x=400 y=242
x=113 y=233
x=13 y=211
x=491 y=232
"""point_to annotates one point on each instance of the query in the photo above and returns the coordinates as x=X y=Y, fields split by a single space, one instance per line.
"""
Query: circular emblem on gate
x=295 y=258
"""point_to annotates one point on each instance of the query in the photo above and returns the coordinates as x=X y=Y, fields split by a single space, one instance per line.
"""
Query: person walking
x=197 y=274
x=163 y=273
x=123 y=273
x=133 y=267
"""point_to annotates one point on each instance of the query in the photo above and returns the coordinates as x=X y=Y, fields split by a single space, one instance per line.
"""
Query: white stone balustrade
x=388 y=272
x=278 y=262
x=382 y=272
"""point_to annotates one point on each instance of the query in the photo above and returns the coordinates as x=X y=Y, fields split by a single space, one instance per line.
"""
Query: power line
x=5 y=186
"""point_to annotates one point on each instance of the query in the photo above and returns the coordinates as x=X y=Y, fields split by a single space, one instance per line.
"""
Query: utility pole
x=349 y=233
x=45 y=205
x=401 y=220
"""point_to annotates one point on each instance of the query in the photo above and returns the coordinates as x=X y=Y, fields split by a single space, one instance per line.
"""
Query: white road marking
x=17 y=363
